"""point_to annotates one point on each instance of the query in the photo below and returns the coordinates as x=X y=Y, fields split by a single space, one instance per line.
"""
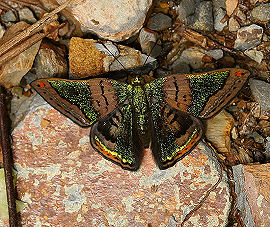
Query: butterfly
x=164 y=114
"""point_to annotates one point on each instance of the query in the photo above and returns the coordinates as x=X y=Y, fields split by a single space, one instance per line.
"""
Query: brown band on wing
x=234 y=83
x=177 y=92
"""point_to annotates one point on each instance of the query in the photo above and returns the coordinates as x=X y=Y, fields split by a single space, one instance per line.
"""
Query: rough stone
x=197 y=15
x=216 y=53
x=255 y=55
x=147 y=36
x=159 y=22
x=185 y=9
x=27 y=15
x=115 y=20
x=233 y=25
x=12 y=72
x=260 y=91
x=192 y=56
x=218 y=17
x=90 y=58
x=218 y=133
x=9 y=16
x=248 y=37
x=50 y=61
x=60 y=175
x=203 y=18
x=252 y=188
x=261 y=12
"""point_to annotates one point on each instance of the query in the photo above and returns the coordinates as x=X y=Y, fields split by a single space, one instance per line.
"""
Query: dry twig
x=7 y=159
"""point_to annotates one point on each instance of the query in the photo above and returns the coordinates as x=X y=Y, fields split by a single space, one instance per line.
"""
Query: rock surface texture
x=66 y=183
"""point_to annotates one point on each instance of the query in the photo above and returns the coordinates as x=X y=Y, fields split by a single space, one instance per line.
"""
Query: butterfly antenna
x=113 y=55
x=150 y=52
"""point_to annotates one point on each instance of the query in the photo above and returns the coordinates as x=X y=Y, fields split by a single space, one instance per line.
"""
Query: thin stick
x=7 y=159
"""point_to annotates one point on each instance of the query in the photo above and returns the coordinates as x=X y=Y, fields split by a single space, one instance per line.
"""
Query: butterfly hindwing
x=203 y=94
x=116 y=137
x=174 y=133
x=83 y=101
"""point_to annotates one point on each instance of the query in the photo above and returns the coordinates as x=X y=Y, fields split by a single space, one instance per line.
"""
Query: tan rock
x=115 y=20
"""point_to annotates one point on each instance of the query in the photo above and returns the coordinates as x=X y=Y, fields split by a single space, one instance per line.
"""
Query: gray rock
x=260 y=91
x=218 y=16
x=261 y=12
x=197 y=15
x=185 y=9
x=203 y=18
x=9 y=16
x=146 y=38
x=241 y=199
x=255 y=55
x=49 y=62
x=159 y=22
x=192 y=57
x=216 y=54
x=248 y=37
x=27 y=15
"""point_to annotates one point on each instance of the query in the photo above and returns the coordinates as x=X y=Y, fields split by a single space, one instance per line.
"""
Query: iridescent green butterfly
x=126 y=117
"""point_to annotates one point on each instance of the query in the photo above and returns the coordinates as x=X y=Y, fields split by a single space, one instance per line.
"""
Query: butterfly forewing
x=83 y=101
x=203 y=94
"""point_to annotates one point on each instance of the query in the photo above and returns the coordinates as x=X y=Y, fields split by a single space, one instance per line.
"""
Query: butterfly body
x=126 y=116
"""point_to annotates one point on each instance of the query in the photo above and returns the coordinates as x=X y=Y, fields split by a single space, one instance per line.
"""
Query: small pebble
x=248 y=37
x=261 y=12
x=159 y=22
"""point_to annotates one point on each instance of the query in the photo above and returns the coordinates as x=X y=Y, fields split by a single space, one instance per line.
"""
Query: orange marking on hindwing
x=107 y=154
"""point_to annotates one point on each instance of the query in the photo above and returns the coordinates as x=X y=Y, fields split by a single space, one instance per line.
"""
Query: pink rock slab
x=66 y=183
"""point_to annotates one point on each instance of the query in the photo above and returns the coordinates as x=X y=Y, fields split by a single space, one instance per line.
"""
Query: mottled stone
x=66 y=183
x=197 y=15
x=27 y=15
x=255 y=55
x=185 y=9
x=218 y=17
x=191 y=56
x=115 y=20
x=159 y=22
x=248 y=37
x=233 y=25
x=261 y=12
x=260 y=91
x=90 y=58
x=252 y=189
x=218 y=133
x=50 y=61
x=146 y=37
x=9 y=16
x=12 y=72
x=203 y=18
